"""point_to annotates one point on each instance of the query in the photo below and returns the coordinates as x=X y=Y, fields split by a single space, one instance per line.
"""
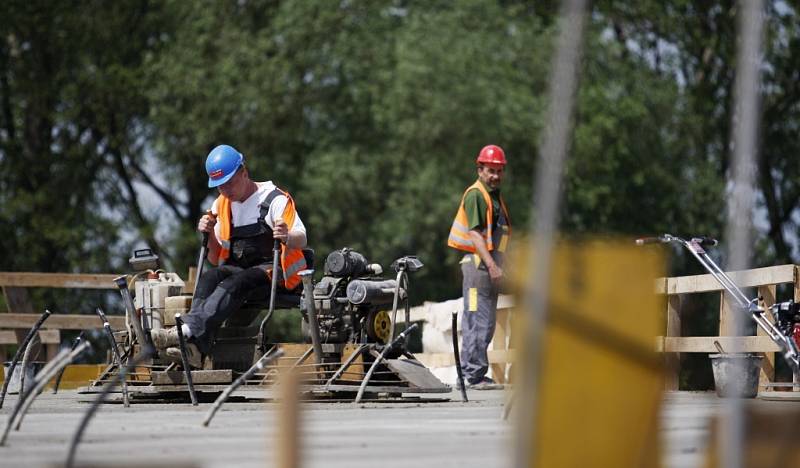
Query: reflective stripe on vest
x=292 y=260
x=459 y=233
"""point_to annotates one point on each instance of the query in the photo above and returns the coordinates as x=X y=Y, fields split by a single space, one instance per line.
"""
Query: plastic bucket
x=736 y=375
x=32 y=369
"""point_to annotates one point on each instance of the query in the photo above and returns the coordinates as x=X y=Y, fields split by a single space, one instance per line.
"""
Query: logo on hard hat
x=216 y=174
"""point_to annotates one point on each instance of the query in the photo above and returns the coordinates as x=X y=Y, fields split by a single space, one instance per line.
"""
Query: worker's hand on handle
x=207 y=222
x=281 y=231
x=495 y=273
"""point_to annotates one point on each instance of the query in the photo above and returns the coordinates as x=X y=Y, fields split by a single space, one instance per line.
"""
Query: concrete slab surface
x=335 y=435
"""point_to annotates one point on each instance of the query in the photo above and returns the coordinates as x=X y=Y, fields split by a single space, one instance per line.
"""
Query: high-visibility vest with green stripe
x=496 y=239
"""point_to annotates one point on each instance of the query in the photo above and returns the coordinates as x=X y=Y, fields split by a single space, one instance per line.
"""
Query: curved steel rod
x=146 y=353
x=20 y=352
x=21 y=401
x=264 y=361
x=25 y=359
x=42 y=378
x=72 y=348
x=115 y=352
x=380 y=357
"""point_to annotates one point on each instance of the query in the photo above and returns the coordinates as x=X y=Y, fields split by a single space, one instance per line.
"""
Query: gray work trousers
x=478 y=319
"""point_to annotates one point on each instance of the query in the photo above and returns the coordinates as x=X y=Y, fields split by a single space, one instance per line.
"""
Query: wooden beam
x=60 y=321
x=767 y=373
x=57 y=280
x=705 y=344
x=744 y=279
x=8 y=337
x=673 y=361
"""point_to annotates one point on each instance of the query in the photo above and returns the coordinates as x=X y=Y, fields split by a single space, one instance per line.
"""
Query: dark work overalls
x=480 y=305
x=222 y=290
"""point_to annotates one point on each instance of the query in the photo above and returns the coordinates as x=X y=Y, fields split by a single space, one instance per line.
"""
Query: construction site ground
x=333 y=435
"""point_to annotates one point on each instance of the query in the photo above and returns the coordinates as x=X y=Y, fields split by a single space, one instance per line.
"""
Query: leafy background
x=371 y=114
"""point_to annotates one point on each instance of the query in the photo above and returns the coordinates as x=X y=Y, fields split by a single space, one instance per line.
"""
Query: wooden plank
x=748 y=278
x=60 y=321
x=767 y=373
x=500 y=343
x=705 y=344
x=8 y=337
x=673 y=361
x=199 y=377
x=57 y=280
x=727 y=307
x=18 y=300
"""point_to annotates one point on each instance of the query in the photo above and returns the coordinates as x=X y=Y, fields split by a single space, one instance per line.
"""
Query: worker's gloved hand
x=206 y=223
x=280 y=231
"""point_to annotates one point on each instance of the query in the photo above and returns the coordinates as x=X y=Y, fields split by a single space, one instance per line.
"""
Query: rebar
x=20 y=352
x=75 y=344
x=260 y=364
x=115 y=353
x=146 y=353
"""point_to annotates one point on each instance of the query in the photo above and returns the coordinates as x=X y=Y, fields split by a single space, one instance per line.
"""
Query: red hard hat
x=492 y=154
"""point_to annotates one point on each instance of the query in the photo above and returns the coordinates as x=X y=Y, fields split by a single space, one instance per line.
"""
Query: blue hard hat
x=222 y=163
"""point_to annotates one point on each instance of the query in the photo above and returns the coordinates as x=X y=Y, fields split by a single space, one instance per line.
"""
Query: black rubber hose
x=20 y=352
x=146 y=353
x=456 y=356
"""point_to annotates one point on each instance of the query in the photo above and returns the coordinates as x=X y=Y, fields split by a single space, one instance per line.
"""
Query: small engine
x=352 y=300
x=787 y=318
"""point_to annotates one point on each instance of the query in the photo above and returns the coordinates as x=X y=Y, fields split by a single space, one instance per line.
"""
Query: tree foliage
x=371 y=115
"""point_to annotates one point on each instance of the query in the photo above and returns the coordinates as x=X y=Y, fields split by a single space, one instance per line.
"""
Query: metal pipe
x=742 y=199
x=395 y=304
x=130 y=309
x=115 y=353
x=563 y=85
x=276 y=268
x=187 y=369
x=75 y=344
x=20 y=352
x=146 y=353
x=273 y=290
x=380 y=357
x=308 y=286
x=201 y=260
x=43 y=377
x=264 y=361
x=459 y=371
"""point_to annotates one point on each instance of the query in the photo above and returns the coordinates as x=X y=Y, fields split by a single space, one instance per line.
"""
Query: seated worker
x=244 y=221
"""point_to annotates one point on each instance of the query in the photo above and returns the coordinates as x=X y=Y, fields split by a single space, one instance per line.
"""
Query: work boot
x=193 y=355
x=164 y=338
x=485 y=384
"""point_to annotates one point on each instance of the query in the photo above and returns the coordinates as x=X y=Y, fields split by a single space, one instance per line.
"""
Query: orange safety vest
x=495 y=240
x=292 y=260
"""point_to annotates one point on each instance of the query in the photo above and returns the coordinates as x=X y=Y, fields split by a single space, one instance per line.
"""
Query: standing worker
x=481 y=228
x=243 y=223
